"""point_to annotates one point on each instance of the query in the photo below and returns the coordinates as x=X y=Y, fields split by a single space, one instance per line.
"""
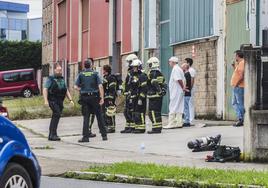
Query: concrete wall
x=35 y=29
x=205 y=63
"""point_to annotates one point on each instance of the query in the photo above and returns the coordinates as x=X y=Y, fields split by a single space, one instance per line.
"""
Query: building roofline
x=14 y=7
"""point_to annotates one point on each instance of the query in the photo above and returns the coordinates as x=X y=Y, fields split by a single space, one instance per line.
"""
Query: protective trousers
x=56 y=105
x=109 y=120
x=89 y=104
x=139 y=114
x=128 y=113
x=155 y=106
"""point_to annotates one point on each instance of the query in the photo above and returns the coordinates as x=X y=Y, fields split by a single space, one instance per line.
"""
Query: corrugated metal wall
x=190 y=19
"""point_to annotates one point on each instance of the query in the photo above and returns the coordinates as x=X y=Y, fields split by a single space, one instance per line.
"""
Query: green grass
x=34 y=108
x=161 y=172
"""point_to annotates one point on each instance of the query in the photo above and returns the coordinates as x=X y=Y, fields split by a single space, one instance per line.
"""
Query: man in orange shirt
x=237 y=82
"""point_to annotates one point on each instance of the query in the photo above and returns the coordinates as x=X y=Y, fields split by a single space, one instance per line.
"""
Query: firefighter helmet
x=131 y=57
x=111 y=111
x=136 y=63
x=153 y=62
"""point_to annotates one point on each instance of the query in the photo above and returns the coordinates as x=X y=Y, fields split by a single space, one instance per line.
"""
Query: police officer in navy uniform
x=92 y=98
x=54 y=93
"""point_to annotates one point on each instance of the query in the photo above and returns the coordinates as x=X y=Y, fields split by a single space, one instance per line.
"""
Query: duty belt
x=90 y=94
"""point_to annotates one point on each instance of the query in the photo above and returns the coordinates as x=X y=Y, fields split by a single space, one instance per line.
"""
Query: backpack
x=225 y=153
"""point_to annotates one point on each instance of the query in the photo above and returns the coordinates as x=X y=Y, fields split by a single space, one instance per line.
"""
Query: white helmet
x=136 y=63
x=174 y=59
x=153 y=62
x=131 y=57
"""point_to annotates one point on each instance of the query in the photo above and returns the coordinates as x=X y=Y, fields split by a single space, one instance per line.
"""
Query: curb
x=119 y=178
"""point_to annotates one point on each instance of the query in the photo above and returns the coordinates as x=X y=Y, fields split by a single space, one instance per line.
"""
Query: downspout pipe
x=114 y=58
x=258 y=23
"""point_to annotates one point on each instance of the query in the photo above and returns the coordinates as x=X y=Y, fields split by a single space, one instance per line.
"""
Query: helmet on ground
x=131 y=57
x=153 y=62
x=136 y=63
x=174 y=59
x=111 y=111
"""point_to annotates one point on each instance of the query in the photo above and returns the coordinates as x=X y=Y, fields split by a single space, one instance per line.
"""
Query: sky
x=35 y=7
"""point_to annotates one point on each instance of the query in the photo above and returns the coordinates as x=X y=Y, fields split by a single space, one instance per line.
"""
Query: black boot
x=126 y=130
x=138 y=131
x=83 y=139
x=54 y=138
x=92 y=135
x=155 y=131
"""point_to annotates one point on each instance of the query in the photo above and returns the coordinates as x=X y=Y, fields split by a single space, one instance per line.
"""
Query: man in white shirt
x=192 y=71
x=176 y=90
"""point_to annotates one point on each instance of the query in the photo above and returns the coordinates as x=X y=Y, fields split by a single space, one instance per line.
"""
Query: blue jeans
x=238 y=102
x=186 y=109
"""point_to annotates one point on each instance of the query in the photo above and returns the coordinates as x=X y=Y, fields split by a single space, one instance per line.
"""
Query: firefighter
x=110 y=93
x=130 y=125
x=138 y=90
x=156 y=90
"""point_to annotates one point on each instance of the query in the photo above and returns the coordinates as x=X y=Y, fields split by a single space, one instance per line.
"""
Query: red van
x=18 y=83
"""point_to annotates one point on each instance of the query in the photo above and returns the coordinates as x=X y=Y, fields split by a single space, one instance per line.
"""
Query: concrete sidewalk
x=169 y=148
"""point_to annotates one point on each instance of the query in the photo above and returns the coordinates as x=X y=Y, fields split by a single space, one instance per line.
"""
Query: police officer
x=138 y=91
x=129 y=108
x=110 y=93
x=156 y=90
x=54 y=93
x=92 y=97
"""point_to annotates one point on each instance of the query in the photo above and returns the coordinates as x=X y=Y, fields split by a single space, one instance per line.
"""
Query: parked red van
x=18 y=83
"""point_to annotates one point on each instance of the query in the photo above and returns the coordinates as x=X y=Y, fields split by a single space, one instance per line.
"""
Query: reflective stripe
x=160 y=79
x=143 y=83
x=140 y=127
x=157 y=125
x=112 y=84
x=109 y=97
x=153 y=115
x=153 y=96
x=142 y=95
x=154 y=80
x=142 y=119
x=132 y=125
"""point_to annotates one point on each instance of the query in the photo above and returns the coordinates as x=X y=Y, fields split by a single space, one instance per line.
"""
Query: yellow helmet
x=111 y=111
x=153 y=62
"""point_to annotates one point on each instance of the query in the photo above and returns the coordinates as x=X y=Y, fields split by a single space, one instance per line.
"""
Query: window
x=11 y=77
x=3 y=34
x=85 y=14
x=62 y=18
x=23 y=35
x=26 y=76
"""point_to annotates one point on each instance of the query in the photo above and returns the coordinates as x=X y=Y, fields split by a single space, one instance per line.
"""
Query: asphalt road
x=49 y=182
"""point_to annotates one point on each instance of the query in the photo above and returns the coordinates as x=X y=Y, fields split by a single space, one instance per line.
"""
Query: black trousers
x=155 y=106
x=90 y=104
x=128 y=113
x=109 y=120
x=139 y=114
x=56 y=105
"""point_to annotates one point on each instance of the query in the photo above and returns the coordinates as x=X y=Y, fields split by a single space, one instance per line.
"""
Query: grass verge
x=33 y=108
x=172 y=176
